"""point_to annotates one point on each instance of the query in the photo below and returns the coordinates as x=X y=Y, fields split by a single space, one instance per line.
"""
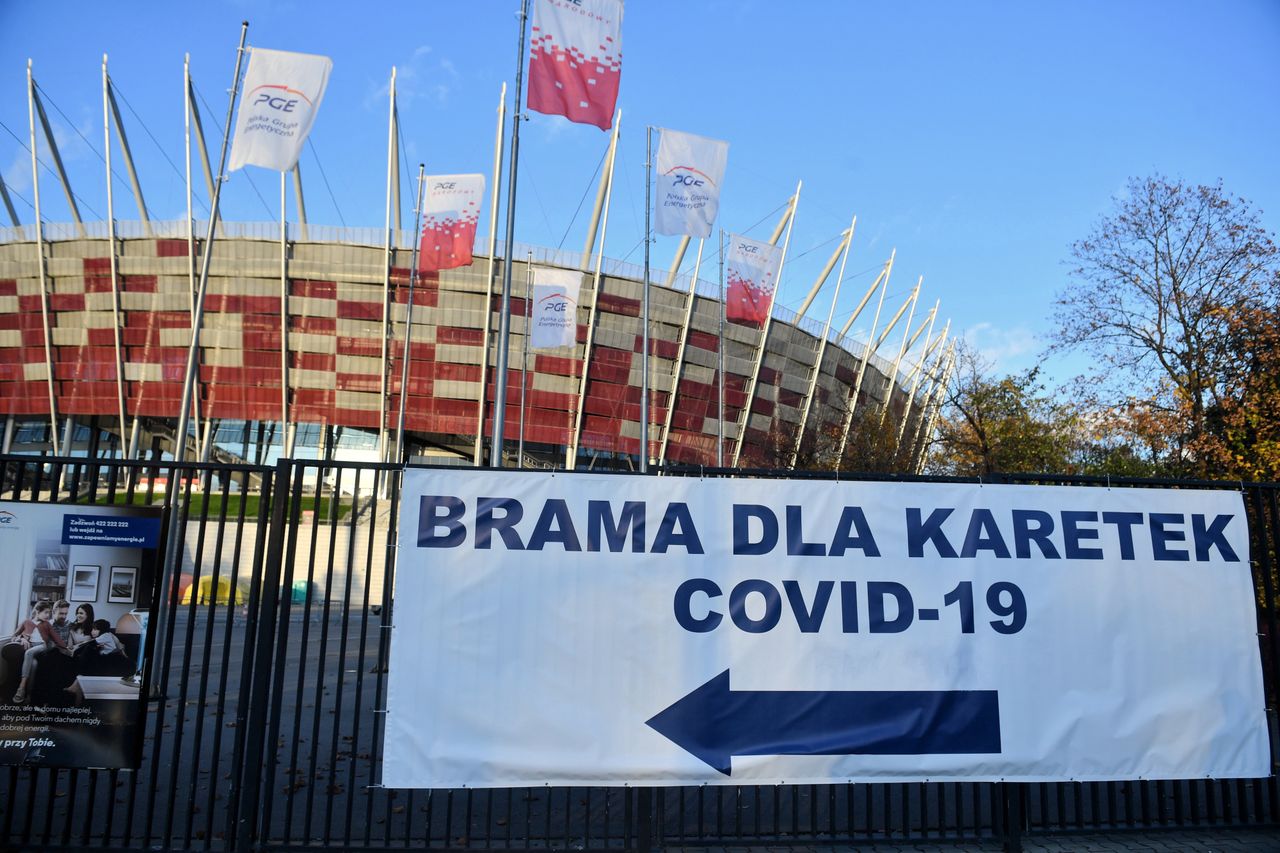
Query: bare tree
x=1153 y=291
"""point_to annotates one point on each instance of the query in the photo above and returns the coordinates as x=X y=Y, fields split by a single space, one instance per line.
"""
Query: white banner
x=690 y=172
x=554 y=315
x=587 y=629
x=751 y=273
x=282 y=93
x=450 y=214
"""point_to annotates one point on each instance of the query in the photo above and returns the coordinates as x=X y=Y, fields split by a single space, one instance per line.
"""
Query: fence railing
x=265 y=726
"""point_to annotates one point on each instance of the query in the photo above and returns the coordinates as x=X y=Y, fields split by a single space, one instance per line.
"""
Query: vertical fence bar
x=264 y=599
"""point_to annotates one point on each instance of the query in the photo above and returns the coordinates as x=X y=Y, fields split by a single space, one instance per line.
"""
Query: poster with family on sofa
x=75 y=596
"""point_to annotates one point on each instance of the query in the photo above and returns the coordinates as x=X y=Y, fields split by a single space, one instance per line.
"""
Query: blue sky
x=978 y=138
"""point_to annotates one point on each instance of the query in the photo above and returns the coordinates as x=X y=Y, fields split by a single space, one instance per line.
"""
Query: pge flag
x=282 y=93
x=554 y=316
x=575 y=59
x=450 y=213
x=752 y=273
x=690 y=169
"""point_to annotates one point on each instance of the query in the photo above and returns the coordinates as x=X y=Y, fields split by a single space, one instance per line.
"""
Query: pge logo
x=7 y=517
x=556 y=302
x=687 y=181
x=280 y=103
x=445 y=185
x=748 y=250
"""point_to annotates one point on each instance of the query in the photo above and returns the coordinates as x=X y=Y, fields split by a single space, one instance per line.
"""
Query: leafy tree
x=1155 y=291
x=1243 y=430
x=993 y=425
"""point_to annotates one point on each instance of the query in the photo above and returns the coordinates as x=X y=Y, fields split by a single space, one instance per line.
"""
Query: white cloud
x=422 y=76
x=17 y=175
x=1009 y=350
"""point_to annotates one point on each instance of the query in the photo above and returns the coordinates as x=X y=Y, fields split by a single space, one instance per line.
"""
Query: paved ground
x=1219 y=841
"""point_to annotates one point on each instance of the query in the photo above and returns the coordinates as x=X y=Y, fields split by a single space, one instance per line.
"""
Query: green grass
x=214 y=503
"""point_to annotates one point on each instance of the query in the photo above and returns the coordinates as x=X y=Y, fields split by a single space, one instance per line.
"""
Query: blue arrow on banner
x=716 y=723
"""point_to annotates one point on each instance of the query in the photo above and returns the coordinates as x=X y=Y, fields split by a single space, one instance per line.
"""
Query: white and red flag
x=575 y=59
x=450 y=214
x=752 y=274
x=553 y=320
x=690 y=170
x=282 y=93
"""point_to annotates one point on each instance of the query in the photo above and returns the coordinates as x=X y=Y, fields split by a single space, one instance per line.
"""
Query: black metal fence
x=269 y=682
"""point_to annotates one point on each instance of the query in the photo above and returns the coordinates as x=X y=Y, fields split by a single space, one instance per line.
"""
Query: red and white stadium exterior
x=85 y=332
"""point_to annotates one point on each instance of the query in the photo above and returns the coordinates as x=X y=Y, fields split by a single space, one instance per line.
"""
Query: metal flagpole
x=193 y=124
x=477 y=458
x=720 y=364
x=184 y=410
x=407 y=350
x=524 y=357
x=191 y=246
x=644 y=302
x=115 y=264
x=284 y=321
x=44 y=284
x=504 y=319
x=392 y=174
x=822 y=348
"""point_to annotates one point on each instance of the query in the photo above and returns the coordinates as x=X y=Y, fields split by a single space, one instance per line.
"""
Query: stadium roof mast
x=918 y=373
x=677 y=369
x=32 y=102
x=902 y=349
x=191 y=116
x=603 y=197
x=8 y=204
x=34 y=98
x=110 y=101
x=393 y=180
x=852 y=401
x=846 y=237
x=764 y=334
x=822 y=344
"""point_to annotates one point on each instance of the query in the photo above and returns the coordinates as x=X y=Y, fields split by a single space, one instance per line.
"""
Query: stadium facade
x=86 y=331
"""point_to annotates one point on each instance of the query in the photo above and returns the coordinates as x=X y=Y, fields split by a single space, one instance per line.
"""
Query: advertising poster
x=75 y=594
x=597 y=629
